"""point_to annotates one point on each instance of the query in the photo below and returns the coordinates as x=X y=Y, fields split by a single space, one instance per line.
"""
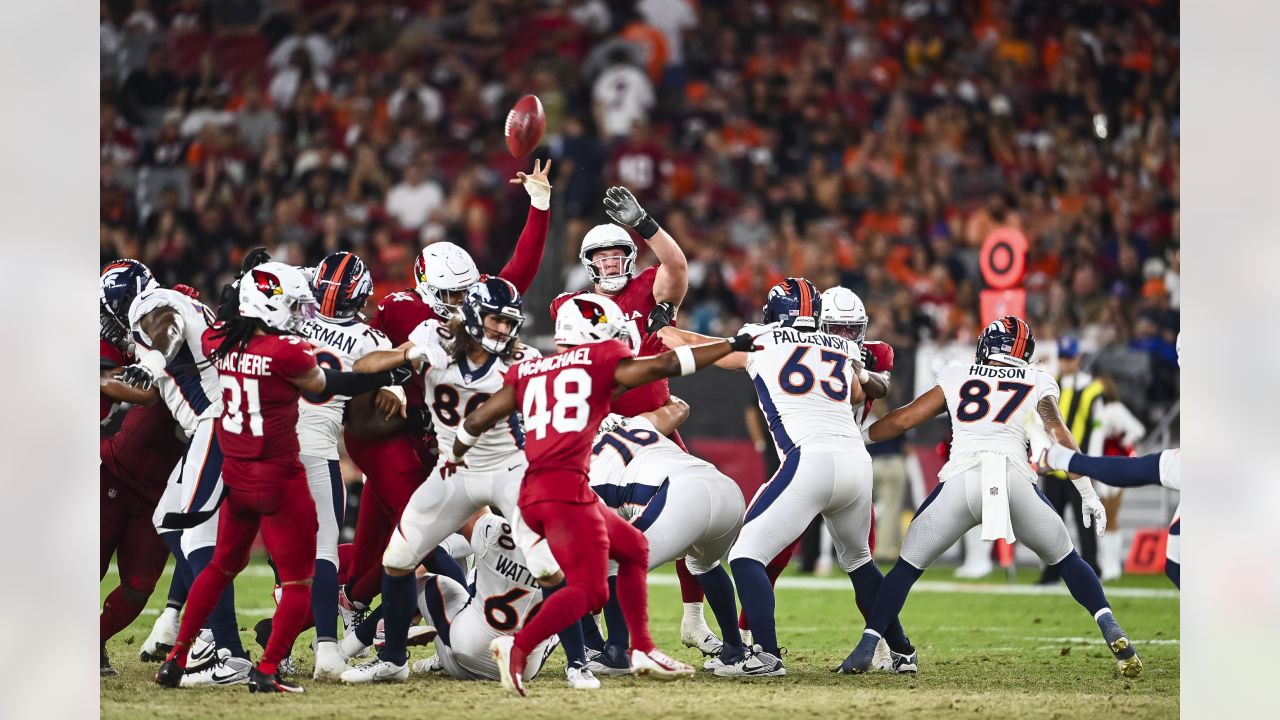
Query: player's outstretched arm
x=319 y=381
x=120 y=392
x=672 y=281
x=633 y=372
x=913 y=414
x=525 y=259
x=674 y=337
x=407 y=354
x=1117 y=471
x=1093 y=512
x=668 y=417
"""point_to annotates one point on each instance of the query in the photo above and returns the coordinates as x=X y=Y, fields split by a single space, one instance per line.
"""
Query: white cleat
x=226 y=671
x=350 y=611
x=658 y=665
x=428 y=666
x=375 y=671
x=580 y=678
x=512 y=678
x=757 y=663
x=163 y=634
x=351 y=646
x=694 y=632
x=330 y=662
x=883 y=660
x=203 y=653
x=973 y=571
x=421 y=635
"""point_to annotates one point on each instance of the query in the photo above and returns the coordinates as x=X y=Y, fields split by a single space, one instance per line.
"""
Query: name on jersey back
x=580 y=356
x=792 y=336
x=998 y=372
x=245 y=364
x=516 y=572
x=332 y=337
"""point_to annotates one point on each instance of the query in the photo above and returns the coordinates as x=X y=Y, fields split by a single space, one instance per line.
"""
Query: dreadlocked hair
x=235 y=334
x=463 y=343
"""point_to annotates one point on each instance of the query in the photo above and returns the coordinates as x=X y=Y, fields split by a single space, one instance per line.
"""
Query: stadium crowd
x=873 y=143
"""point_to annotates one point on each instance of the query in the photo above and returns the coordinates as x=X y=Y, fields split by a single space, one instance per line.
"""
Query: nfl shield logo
x=995 y=491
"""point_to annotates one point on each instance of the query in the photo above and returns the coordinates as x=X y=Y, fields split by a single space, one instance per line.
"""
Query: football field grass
x=987 y=649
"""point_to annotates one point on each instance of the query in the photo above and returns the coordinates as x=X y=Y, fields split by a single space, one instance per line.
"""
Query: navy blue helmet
x=493 y=296
x=341 y=286
x=794 y=302
x=118 y=284
x=1007 y=340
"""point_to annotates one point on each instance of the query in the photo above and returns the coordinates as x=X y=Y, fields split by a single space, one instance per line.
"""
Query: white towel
x=996 y=522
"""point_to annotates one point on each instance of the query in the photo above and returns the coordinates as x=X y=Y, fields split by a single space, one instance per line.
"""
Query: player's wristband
x=684 y=354
x=1084 y=486
x=154 y=362
x=863 y=376
x=647 y=226
x=465 y=437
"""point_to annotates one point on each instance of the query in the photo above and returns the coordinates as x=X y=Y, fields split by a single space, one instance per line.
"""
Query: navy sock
x=571 y=640
x=892 y=596
x=222 y=621
x=591 y=636
x=1082 y=581
x=399 y=605
x=866 y=587
x=717 y=586
x=756 y=595
x=368 y=628
x=442 y=563
x=324 y=600
x=180 y=583
x=1174 y=572
x=614 y=622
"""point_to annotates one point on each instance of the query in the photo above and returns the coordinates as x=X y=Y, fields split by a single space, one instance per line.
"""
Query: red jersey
x=109 y=357
x=259 y=405
x=563 y=398
x=636 y=300
x=398 y=314
x=883 y=353
x=145 y=450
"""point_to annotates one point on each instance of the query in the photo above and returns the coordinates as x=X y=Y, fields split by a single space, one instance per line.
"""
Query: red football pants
x=393 y=469
x=126 y=532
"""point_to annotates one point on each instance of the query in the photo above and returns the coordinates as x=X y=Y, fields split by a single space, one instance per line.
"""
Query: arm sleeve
x=1118 y=471
x=526 y=258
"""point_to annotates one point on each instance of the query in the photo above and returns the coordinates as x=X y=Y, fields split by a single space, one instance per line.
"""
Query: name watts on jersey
x=792 y=336
x=245 y=364
x=332 y=337
x=515 y=571
x=554 y=362
x=998 y=372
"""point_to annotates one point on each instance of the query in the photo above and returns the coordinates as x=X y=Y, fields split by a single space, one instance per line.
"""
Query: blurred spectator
x=622 y=96
x=148 y=91
x=414 y=199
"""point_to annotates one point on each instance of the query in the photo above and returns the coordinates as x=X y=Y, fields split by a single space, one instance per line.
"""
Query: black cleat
x=262 y=682
x=169 y=674
x=107 y=670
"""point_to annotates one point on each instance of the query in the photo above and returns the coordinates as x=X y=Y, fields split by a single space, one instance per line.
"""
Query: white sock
x=693 y=611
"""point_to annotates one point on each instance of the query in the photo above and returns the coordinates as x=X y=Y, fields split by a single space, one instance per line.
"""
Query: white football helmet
x=589 y=318
x=278 y=295
x=843 y=314
x=444 y=268
x=605 y=236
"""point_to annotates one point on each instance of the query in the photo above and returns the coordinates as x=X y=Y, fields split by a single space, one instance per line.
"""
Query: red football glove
x=187 y=290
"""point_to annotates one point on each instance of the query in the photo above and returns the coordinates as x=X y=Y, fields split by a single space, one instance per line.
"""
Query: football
x=525 y=125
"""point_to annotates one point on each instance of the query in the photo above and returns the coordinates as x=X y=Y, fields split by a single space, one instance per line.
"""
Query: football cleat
x=613 y=661
x=658 y=665
x=712 y=664
x=351 y=612
x=904 y=662
x=429 y=665
x=694 y=633
x=169 y=675
x=226 y=671
x=330 y=662
x=163 y=634
x=260 y=682
x=287 y=667
x=421 y=635
x=860 y=660
x=580 y=678
x=351 y=646
x=376 y=670
x=1126 y=655
x=504 y=654
x=203 y=653
x=107 y=670
x=756 y=663
x=883 y=659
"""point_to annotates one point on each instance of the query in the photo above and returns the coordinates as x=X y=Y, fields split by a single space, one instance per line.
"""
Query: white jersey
x=631 y=460
x=505 y=589
x=189 y=385
x=456 y=389
x=992 y=406
x=1171 y=469
x=338 y=344
x=802 y=381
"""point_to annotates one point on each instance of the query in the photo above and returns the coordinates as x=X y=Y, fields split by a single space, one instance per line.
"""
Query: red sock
x=633 y=596
x=773 y=570
x=366 y=587
x=564 y=608
x=119 y=610
x=690 y=588
x=204 y=594
x=295 y=605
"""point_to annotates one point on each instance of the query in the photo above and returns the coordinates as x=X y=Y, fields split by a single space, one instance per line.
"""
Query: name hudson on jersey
x=332 y=337
x=555 y=362
x=246 y=364
x=998 y=372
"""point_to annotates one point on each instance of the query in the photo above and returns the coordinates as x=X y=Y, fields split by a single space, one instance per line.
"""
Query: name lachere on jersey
x=245 y=364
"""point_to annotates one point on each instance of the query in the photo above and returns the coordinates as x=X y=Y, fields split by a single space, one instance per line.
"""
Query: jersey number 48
x=566 y=409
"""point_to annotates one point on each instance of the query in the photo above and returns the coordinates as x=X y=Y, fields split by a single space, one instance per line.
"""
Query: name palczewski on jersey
x=338 y=344
x=189 y=386
x=802 y=381
x=991 y=407
x=454 y=391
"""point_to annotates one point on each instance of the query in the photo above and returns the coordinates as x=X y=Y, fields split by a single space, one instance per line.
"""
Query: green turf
x=982 y=654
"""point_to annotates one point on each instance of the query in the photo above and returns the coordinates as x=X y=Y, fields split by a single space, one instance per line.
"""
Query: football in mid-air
x=525 y=125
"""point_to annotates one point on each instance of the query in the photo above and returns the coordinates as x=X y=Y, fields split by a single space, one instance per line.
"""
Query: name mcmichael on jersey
x=553 y=362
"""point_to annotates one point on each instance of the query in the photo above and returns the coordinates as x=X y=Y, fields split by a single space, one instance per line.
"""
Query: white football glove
x=1094 y=514
x=432 y=355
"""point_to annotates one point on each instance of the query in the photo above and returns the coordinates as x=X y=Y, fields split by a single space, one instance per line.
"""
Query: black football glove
x=623 y=208
x=745 y=342
x=419 y=419
x=137 y=376
x=660 y=316
x=253 y=259
x=868 y=360
x=229 y=298
x=400 y=375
